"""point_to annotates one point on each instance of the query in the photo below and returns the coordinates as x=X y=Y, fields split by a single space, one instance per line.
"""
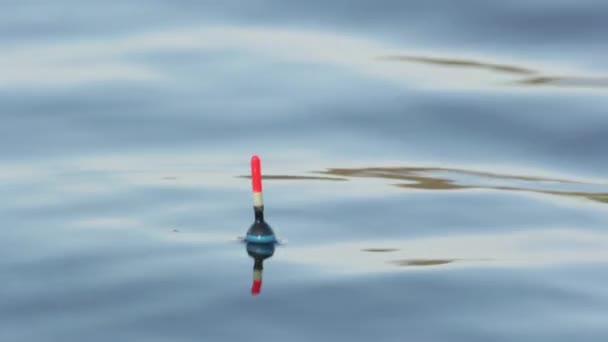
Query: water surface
x=436 y=169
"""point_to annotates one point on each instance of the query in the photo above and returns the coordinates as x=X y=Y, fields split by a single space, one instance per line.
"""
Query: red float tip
x=256 y=288
x=256 y=174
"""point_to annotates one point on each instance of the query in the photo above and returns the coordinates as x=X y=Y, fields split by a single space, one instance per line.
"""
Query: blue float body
x=261 y=238
x=260 y=232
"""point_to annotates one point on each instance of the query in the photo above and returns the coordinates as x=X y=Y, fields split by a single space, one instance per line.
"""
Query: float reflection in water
x=259 y=252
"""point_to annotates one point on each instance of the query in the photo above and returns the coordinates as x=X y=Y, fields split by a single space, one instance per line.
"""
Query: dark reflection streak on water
x=599 y=197
x=430 y=262
x=380 y=250
x=541 y=79
x=452 y=62
x=400 y=172
x=422 y=262
x=288 y=177
x=586 y=82
x=429 y=182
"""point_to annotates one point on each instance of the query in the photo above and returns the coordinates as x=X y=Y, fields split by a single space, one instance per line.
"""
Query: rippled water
x=437 y=170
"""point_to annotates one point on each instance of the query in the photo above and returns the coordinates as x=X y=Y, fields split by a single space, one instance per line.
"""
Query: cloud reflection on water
x=545 y=247
x=119 y=59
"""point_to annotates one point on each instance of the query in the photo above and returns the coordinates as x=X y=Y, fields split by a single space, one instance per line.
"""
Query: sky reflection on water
x=437 y=170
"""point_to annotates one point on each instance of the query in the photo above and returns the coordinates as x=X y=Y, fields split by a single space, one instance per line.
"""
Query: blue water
x=436 y=168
